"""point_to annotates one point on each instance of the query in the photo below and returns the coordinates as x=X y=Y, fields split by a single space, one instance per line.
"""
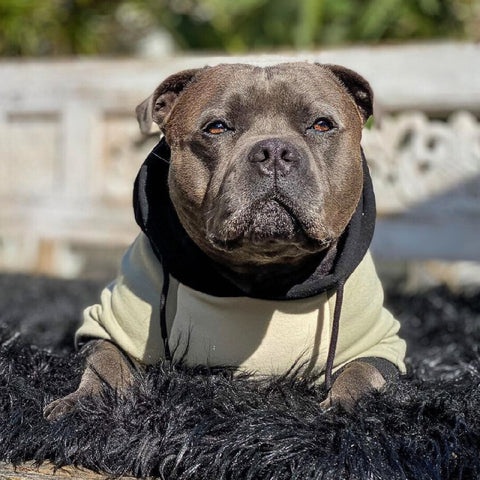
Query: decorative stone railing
x=427 y=179
x=70 y=149
x=413 y=158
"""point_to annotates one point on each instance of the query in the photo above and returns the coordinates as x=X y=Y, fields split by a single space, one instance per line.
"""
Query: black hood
x=183 y=259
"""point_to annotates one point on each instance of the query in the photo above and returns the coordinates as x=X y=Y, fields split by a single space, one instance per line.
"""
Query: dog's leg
x=354 y=382
x=105 y=363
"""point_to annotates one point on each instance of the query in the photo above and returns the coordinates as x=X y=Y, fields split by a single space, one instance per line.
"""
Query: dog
x=256 y=212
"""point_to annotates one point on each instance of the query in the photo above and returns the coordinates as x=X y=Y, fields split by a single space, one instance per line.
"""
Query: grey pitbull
x=265 y=175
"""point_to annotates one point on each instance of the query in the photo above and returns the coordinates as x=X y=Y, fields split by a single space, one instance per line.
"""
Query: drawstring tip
x=168 y=355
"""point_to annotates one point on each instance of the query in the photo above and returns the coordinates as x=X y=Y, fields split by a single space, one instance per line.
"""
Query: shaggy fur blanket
x=180 y=423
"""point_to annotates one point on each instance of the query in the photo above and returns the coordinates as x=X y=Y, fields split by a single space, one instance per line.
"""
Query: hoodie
x=171 y=301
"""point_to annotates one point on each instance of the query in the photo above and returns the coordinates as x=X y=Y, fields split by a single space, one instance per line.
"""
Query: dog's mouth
x=268 y=224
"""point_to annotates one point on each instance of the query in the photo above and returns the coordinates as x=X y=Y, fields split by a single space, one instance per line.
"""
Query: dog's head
x=266 y=163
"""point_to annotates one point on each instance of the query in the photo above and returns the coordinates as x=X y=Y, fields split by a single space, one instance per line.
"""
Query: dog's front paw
x=60 y=407
x=357 y=379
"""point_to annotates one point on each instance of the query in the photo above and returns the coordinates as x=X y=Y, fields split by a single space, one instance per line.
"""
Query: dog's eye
x=216 y=127
x=322 y=125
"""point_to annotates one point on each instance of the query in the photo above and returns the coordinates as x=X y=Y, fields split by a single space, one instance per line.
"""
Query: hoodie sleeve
x=367 y=328
x=128 y=312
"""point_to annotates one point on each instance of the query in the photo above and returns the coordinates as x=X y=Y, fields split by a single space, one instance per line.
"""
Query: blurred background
x=44 y=28
x=72 y=72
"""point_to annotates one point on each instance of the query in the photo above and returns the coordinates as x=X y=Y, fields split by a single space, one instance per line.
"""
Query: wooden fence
x=70 y=149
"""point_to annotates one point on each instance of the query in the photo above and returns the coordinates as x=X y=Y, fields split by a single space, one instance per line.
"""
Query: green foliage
x=60 y=27
x=370 y=122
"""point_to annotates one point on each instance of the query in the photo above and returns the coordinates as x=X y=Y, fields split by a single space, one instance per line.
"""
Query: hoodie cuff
x=388 y=370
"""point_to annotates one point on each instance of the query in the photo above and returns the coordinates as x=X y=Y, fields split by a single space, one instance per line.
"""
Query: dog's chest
x=268 y=337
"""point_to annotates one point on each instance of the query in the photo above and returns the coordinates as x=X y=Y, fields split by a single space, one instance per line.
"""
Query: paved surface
x=47 y=471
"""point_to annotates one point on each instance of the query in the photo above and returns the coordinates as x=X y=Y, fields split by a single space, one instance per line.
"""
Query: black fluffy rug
x=180 y=423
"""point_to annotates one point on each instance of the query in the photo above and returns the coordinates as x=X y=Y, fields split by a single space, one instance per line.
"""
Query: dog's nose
x=274 y=155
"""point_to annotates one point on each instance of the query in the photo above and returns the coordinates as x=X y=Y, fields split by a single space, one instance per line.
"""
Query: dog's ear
x=357 y=87
x=157 y=107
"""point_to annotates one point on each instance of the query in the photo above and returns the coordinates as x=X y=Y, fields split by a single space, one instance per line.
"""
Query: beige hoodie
x=261 y=336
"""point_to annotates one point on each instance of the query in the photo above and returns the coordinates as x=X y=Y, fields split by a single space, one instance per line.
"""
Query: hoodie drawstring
x=334 y=336
x=163 y=312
